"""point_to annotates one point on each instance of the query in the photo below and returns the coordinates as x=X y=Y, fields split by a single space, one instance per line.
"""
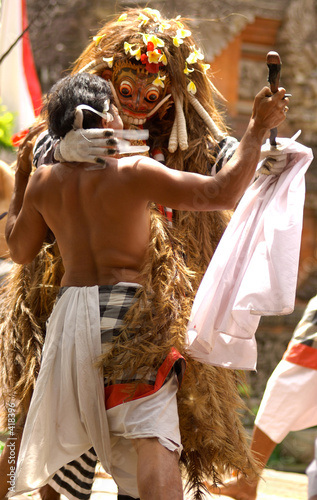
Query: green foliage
x=6 y=128
x=244 y=389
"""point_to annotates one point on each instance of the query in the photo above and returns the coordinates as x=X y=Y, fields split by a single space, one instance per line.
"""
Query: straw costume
x=187 y=133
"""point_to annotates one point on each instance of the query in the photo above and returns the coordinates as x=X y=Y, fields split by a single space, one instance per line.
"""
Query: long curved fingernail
x=112 y=142
x=101 y=161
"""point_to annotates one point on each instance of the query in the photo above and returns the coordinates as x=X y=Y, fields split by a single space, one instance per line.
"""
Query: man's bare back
x=101 y=226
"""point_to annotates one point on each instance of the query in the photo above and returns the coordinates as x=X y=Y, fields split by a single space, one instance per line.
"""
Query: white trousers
x=289 y=402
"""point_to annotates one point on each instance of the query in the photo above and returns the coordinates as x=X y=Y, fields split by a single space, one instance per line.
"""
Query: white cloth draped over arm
x=254 y=269
x=67 y=414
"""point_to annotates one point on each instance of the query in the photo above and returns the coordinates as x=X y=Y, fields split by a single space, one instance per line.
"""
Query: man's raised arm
x=268 y=112
x=190 y=191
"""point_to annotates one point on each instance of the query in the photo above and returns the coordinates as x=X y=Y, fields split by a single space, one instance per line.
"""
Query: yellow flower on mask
x=157 y=42
x=187 y=70
x=163 y=59
x=205 y=67
x=164 y=26
x=178 y=22
x=194 y=56
x=136 y=53
x=109 y=61
x=153 y=12
x=159 y=81
x=154 y=56
x=177 y=41
x=144 y=20
x=181 y=33
x=191 y=87
x=122 y=18
x=127 y=47
x=97 y=39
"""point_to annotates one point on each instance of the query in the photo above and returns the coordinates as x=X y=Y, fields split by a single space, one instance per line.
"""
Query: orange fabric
x=122 y=393
x=301 y=354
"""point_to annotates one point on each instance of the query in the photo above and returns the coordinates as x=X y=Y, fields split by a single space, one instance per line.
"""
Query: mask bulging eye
x=152 y=94
x=125 y=89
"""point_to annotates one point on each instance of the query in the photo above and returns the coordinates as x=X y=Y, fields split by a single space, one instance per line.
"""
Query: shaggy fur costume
x=213 y=437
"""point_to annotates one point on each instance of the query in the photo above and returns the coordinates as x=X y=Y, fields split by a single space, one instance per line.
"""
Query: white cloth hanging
x=67 y=415
x=254 y=269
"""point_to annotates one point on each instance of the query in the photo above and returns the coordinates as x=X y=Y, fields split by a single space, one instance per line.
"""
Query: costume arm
x=25 y=229
x=77 y=145
x=225 y=149
x=87 y=145
x=43 y=152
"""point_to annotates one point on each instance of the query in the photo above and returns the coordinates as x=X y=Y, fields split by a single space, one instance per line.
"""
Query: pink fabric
x=254 y=269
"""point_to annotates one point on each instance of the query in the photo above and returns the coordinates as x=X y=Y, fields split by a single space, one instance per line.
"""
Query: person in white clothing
x=289 y=403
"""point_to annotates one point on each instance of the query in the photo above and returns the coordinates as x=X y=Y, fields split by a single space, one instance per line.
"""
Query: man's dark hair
x=68 y=93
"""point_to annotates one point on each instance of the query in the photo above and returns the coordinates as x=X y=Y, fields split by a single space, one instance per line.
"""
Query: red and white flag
x=20 y=90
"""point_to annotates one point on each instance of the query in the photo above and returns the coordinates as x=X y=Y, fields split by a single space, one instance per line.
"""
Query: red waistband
x=117 y=394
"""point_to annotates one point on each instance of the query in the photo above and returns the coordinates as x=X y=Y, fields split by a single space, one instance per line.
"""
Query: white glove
x=91 y=145
x=94 y=145
x=273 y=160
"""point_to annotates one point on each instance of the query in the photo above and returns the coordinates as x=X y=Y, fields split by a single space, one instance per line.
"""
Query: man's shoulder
x=133 y=162
x=127 y=165
x=39 y=178
x=39 y=172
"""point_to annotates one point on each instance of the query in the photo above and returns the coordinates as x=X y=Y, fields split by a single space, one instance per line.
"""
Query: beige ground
x=274 y=486
x=283 y=485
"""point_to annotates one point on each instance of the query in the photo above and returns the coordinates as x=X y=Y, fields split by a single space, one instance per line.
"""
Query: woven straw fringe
x=26 y=300
x=213 y=437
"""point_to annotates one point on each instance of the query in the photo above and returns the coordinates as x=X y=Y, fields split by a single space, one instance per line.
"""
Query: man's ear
x=106 y=74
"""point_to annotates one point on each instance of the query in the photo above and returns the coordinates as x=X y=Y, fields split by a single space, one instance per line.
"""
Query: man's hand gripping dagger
x=272 y=156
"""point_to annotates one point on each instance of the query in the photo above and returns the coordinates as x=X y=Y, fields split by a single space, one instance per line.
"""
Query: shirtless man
x=100 y=217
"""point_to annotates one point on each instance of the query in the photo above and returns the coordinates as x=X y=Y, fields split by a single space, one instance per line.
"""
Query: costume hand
x=94 y=145
x=87 y=145
x=269 y=110
x=24 y=162
x=273 y=160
